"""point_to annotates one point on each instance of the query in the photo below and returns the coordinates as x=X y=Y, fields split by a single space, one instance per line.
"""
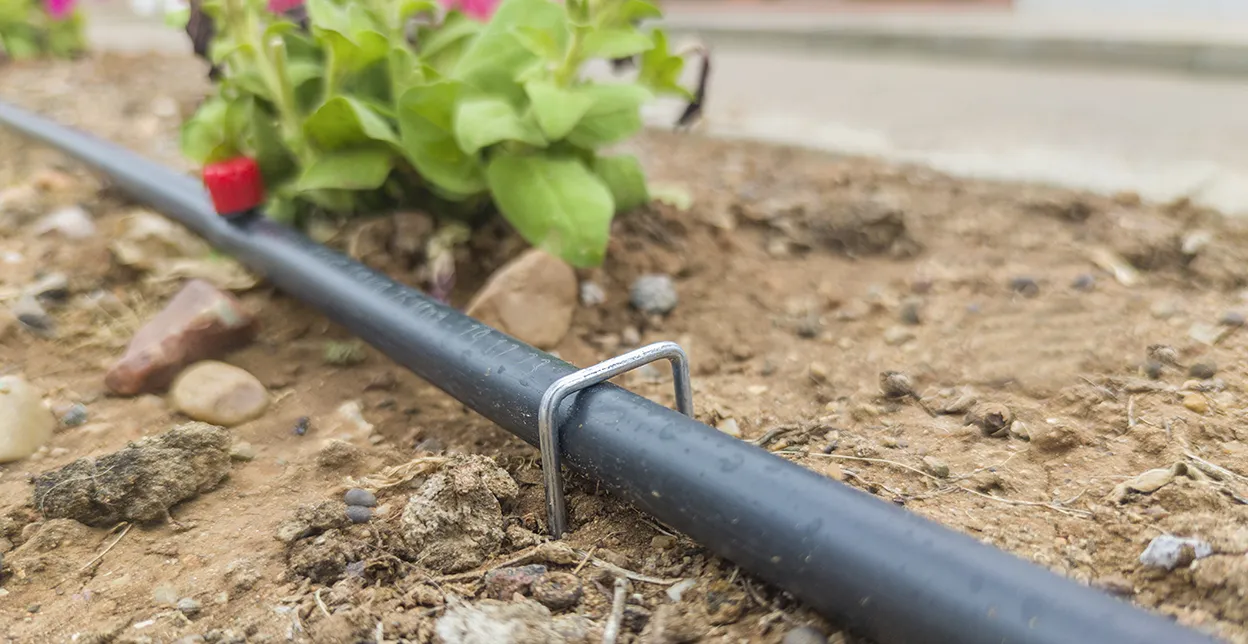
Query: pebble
x=654 y=294
x=189 y=606
x=804 y=635
x=219 y=393
x=502 y=583
x=1152 y=369
x=1203 y=370
x=730 y=427
x=243 y=451
x=935 y=467
x=1165 y=309
x=630 y=336
x=32 y=316
x=592 y=294
x=911 y=311
x=898 y=335
x=819 y=372
x=360 y=496
x=1196 y=402
x=74 y=416
x=200 y=322
x=71 y=222
x=1084 y=282
x=344 y=354
x=1169 y=552
x=1232 y=318
x=895 y=384
x=531 y=298
x=1025 y=286
x=359 y=513
x=52 y=289
x=25 y=424
x=993 y=418
x=1163 y=354
x=1018 y=429
x=558 y=590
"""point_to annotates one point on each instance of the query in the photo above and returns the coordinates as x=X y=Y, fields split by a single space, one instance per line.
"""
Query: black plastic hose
x=888 y=573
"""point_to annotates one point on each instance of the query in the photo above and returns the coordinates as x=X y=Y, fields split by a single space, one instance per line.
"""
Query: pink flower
x=58 y=9
x=479 y=9
x=282 y=6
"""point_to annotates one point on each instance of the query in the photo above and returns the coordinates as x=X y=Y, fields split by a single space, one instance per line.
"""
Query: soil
x=816 y=292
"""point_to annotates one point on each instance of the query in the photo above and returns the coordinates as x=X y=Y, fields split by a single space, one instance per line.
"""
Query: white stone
x=25 y=423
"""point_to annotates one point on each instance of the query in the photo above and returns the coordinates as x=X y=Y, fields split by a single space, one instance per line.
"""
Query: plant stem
x=571 y=58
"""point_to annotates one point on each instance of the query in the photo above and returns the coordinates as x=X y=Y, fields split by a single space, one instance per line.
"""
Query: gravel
x=654 y=294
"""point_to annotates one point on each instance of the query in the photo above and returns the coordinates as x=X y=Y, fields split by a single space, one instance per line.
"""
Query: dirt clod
x=994 y=419
x=490 y=621
x=502 y=583
x=557 y=590
x=140 y=482
x=454 y=521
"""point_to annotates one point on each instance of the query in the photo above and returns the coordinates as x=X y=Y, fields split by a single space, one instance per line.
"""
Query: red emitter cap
x=235 y=186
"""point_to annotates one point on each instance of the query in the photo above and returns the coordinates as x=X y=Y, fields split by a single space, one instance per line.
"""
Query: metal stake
x=548 y=432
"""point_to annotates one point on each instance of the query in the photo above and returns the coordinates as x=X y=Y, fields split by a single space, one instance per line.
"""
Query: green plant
x=351 y=115
x=35 y=29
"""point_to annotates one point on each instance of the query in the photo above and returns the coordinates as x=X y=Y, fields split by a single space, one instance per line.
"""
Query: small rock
x=993 y=418
x=502 y=583
x=819 y=372
x=301 y=425
x=360 y=496
x=1025 y=286
x=51 y=289
x=809 y=326
x=898 y=335
x=344 y=354
x=72 y=222
x=675 y=625
x=218 y=393
x=1169 y=552
x=352 y=412
x=165 y=595
x=336 y=453
x=935 y=467
x=531 y=298
x=1152 y=369
x=1165 y=309
x=911 y=311
x=243 y=451
x=1232 y=318
x=1203 y=370
x=199 y=323
x=490 y=621
x=804 y=635
x=1196 y=402
x=1084 y=282
x=895 y=384
x=455 y=520
x=141 y=481
x=359 y=513
x=558 y=590
x=663 y=542
x=630 y=336
x=32 y=316
x=25 y=424
x=1205 y=333
x=189 y=606
x=592 y=294
x=75 y=415
x=677 y=591
x=1018 y=429
x=654 y=294
x=730 y=427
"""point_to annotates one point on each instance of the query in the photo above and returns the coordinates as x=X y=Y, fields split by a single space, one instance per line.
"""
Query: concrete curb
x=1185 y=54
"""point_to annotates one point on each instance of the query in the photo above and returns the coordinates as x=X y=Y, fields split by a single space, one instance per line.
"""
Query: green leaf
x=405 y=9
x=557 y=110
x=541 y=42
x=358 y=169
x=275 y=161
x=344 y=122
x=495 y=57
x=624 y=176
x=351 y=34
x=426 y=129
x=614 y=116
x=483 y=122
x=203 y=137
x=660 y=71
x=555 y=203
x=453 y=30
x=615 y=43
x=639 y=10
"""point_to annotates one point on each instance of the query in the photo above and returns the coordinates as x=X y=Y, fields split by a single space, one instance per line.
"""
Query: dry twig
x=612 y=630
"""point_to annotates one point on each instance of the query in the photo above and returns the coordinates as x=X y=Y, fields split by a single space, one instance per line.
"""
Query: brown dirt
x=799 y=276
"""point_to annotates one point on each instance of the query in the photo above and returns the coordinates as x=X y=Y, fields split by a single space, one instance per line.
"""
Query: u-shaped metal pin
x=548 y=431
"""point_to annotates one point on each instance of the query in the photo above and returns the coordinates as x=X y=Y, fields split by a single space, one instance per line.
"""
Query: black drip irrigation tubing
x=870 y=565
